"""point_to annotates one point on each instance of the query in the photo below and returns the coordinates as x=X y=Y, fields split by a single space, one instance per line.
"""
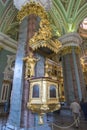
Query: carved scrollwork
x=31 y=8
x=68 y=49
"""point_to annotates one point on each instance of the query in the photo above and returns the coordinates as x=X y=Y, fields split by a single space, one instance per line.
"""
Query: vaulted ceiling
x=8 y=15
x=65 y=16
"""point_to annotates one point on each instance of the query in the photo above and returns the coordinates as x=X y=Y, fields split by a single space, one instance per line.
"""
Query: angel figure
x=30 y=65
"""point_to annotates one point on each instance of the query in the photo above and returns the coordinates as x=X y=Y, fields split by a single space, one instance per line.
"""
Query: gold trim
x=47 y=44
x=44 y=103
x=6 y=81
x=43 y=38
x=84 y=63
x=68 y=50
x=31 y=8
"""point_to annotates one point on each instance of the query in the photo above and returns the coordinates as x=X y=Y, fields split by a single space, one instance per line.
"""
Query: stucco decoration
x=84 y=24
x=46 y=3
x=8 y=72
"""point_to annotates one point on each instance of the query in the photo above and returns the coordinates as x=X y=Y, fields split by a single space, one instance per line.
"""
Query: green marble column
x=73 y=77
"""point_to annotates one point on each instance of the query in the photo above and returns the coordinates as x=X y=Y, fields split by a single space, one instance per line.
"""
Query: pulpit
x=43 y=96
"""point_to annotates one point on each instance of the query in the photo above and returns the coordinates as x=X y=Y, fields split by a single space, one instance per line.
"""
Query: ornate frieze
x=68 y=49
x=72 y=39
x=69 y=41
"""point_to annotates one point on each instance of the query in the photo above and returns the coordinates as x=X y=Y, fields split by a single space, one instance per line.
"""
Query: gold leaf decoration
x=31 y=8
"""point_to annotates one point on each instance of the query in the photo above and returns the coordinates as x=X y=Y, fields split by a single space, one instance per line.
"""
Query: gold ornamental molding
x=43 y=101
x=68 y=50
x=51 y=45
x=6 y=81
x=84 y=63
x=43 y=38
x=70 y=41
x=31 y=8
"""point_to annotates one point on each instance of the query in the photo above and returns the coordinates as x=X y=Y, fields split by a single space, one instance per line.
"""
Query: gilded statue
x=30 y=65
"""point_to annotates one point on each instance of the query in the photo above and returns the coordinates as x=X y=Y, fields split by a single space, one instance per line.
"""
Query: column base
x=10 y=127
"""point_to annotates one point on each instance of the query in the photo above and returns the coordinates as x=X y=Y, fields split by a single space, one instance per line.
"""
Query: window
x=52 y=91
x=35 y=91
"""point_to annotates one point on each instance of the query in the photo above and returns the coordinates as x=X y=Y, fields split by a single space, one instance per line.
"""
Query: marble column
x=17 y=86
x=72 y=72
x=27 y=118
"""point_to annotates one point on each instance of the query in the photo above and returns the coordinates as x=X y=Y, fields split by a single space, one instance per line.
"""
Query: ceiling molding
x=7 y=43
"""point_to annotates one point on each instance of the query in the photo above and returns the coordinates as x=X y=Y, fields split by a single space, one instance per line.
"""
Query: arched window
x=35 y=91
x=52 y=91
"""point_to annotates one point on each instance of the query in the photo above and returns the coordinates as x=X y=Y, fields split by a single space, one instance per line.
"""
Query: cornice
x=69 y=41
x=73 y=39
x=7 y=43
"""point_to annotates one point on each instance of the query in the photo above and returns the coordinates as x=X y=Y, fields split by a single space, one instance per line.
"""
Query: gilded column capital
x=69 y=41
x=72 y=39
x=68 y=50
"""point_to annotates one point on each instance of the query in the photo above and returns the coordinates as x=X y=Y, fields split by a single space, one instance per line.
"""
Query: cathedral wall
x=3 y=63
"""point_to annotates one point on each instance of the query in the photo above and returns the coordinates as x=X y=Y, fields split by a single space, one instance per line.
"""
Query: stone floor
x=52 y=121
x=60 y=122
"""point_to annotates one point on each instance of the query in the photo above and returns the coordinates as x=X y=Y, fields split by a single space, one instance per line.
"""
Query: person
x=75 y=108
x=84 y=108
